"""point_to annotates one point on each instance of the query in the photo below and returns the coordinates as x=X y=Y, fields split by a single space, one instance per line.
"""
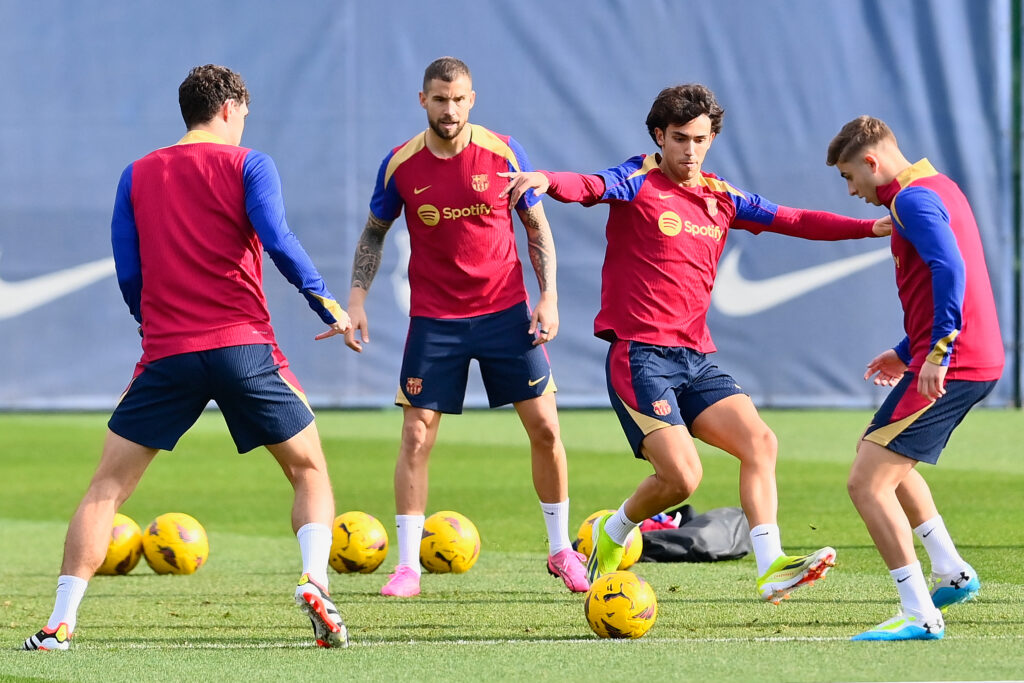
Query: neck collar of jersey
x=922 y=169
x=194 y=136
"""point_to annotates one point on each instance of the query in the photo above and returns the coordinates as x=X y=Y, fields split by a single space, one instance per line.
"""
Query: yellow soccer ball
x=125 y=548
x=631 y=550
x=450 y=543
x=175 y=543
x=359 y=543
x=620 y=605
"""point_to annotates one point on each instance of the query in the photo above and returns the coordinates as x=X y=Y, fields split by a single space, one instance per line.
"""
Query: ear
x=423 y=99
x=225 y=110
x=659 y=137
x=872 y=162
x=472 y=98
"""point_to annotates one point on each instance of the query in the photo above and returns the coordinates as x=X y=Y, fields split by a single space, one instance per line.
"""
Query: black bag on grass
x=718 y=534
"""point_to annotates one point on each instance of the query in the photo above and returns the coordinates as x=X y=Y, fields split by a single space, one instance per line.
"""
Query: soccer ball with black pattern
x=359 y=543
x=620 y=605
x=175 y=543
x=125 y=548
x=450 y=543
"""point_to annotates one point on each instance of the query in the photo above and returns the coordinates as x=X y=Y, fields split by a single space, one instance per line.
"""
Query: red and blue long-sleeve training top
x=664 y=242
x=949 y=313
x=189 y=226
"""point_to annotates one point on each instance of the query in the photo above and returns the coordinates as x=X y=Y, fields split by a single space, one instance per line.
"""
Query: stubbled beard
x=444 y=135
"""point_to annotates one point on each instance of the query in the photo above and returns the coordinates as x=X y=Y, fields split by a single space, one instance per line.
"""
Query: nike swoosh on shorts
x=22 y=296
x=737 y=296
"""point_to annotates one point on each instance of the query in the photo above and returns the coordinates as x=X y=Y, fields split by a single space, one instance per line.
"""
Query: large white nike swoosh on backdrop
x=24 y=295
x=737 y=296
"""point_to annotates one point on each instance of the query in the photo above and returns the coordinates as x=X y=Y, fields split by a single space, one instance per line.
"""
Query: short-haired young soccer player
x=189 y=226
x=949 y=360
x=468 y=300
x=667 y=225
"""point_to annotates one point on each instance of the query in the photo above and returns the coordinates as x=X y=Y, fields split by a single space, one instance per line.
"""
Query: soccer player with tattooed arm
x=667 y=225
x=468 y=301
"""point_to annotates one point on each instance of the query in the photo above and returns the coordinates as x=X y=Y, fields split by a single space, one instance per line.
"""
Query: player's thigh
x=301 y=452
x=876 y=467
x=121 y=466
x=911 y=425
x=435 y=365
x=734 y=425
x=163 y=400
x=641 y=388
x=261 y=400
x=512 y=368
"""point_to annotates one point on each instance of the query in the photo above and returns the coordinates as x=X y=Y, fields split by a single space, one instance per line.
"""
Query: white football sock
x=410 y=533
x=619 y=526
x=767 y=545
x=315 y=546
x=556 y=518
x=913 y=590
x=936 y=540
x=70 y=591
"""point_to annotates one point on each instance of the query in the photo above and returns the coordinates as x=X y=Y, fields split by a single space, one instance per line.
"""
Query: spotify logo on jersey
x=429 y=214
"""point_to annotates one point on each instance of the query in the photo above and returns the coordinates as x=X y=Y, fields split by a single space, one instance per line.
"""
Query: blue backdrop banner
x=91 y=86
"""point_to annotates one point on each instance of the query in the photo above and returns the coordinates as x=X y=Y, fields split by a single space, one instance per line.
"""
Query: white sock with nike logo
x=70 y=591
x=767 y=545
x=619 y=526
x=556 y=518
x=913 y=590
x=936 y=541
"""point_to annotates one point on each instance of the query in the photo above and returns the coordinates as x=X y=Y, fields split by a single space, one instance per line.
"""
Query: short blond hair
x=855 y=136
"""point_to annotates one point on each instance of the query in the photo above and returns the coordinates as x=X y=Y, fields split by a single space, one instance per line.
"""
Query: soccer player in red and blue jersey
x=468 y=300
x=949 y=360
x=189 y=227
x=667 y=225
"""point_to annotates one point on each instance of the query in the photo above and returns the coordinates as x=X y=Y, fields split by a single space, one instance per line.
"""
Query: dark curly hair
x=681 y=104
x=205 y=89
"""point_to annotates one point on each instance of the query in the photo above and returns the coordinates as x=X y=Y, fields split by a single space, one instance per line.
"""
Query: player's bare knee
x=766 y=446
x=545 y=437
x=681 y=483
x=416 y=440
x=860 y=490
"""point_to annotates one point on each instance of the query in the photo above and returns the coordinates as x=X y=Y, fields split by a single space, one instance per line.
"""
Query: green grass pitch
x=506 y=619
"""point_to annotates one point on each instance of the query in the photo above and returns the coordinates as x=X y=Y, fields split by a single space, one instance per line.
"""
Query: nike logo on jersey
x=737 y=296
x=24 y=295
x=535 y=382
x=417 y=190
x=664 y=196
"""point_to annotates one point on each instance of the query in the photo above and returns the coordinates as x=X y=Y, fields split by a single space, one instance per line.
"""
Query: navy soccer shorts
x=435 y=367
x=651 y=387
x=913 y=426
x=258 y=395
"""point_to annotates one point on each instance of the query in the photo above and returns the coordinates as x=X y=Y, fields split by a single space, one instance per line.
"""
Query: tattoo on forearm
x=541 y=244
x=369 y=251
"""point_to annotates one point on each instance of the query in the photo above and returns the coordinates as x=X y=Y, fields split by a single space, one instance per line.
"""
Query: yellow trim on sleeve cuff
x=941 y=348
